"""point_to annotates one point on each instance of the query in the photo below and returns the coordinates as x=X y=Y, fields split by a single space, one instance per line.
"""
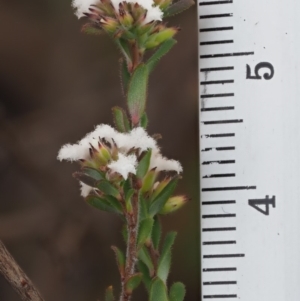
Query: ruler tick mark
x=219 y=296
x=217 y=82
x=218 y=135
x=218 y=215
x=218 y=162
x=218 y=229
x=228 y=188
x=217 y=95
x=208 y=149
x=222 y=175
x=217 y=109
x=219 y=282
x=207 y=56
x=222 y=121
x=219 y=202
x=229 y=242
x=216 y=29
x=216 y=2
x=223 y=256
x=216 y=42
x=220 y=270
x=216 y=16
x=216 y=69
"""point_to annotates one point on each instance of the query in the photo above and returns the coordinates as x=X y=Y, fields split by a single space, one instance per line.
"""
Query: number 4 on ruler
x=266 y=202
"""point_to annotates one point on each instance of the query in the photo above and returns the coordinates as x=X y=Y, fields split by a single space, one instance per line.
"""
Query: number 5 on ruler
x=259 y=66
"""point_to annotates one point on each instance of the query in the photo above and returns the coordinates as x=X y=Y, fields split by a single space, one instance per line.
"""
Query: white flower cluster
x=153 y=12
x=125 y=164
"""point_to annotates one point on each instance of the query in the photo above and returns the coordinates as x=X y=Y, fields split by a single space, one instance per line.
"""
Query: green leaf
x=158 y=291
x=177 y=292
x=144 y=256
x=109 y=295
x=124 y=233
x=125 y=76
x=120 y=258
x=164 y=263
x=137 y=93
x=107 y=188
x=144 y=120
x=88 y=176
x=127 y=186
x=133 y=282
x=162 y=50
x=143 y=207
x=128 y=197
x=149 y=180
x=121 y=120
x=101 y=204
x=114 y=203
x=178 y=7
x=146 y=276
x=91 y=29
x=144 y=164
x=145 y=229
x=162 y=197
x=156 y=233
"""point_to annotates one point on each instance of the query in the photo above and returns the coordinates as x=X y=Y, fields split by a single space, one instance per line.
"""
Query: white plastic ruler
x=250 y=149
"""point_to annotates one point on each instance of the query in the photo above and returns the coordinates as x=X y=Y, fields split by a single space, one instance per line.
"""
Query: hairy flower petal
x=85 y=189
x=124 y=165
x=161 y=163
x=82 y=6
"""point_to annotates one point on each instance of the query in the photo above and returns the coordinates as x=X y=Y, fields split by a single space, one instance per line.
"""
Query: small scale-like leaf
x=121 y=120
x=109 y=295
x=107 y=188
x=156 y=233
x=144 y=120
x=137 y=93
x=133 y=282
x=164 y=263
x=162 y=50
x=145 y=229
x=158 y=291
x=120 y=258
x=144 y=256
x=178 y=7
x=100 y=203
x=146 y=276
x=177 y=292
x=158 y=203
x=144 y=164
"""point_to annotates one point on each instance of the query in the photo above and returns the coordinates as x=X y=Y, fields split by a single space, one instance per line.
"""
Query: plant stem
x=16 y=277
x=131 y=253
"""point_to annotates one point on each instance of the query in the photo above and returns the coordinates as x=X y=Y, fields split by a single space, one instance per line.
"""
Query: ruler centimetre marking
x=249 y=94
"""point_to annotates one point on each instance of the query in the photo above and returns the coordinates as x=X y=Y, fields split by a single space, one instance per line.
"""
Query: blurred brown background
x=56 y=84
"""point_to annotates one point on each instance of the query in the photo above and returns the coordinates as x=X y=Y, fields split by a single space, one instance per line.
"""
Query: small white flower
x=124 y=165
x=153 y=12
x=137 y=138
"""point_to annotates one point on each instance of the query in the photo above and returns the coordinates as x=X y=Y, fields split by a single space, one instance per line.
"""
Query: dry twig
x=16 y=277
